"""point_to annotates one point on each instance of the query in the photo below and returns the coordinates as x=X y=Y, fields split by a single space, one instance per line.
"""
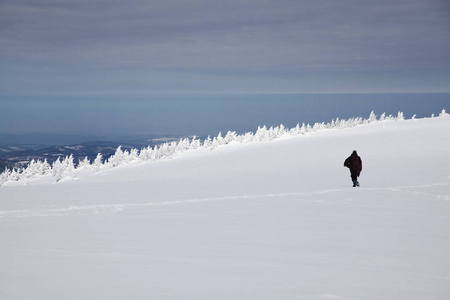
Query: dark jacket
x=354 y=163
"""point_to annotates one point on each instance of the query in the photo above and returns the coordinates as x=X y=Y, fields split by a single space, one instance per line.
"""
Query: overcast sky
x=140 y=48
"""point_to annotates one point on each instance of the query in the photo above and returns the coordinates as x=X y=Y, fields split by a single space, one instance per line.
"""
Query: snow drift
x=275 y=218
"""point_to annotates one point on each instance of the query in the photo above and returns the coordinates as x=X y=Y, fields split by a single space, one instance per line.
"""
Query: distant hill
x=21 y=157
x=21 y=151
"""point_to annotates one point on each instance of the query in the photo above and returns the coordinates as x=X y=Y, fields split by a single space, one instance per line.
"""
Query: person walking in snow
x=354 y=163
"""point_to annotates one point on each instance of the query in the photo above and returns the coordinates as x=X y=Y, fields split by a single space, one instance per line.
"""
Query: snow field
x=269 y=220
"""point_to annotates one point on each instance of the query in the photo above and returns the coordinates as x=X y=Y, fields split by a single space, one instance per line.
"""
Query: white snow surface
x=265 y=220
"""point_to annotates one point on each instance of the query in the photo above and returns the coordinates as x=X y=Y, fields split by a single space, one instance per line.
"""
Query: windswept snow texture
x=266 y=220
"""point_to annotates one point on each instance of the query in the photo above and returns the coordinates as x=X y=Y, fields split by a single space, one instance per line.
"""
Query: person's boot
x=354 y=183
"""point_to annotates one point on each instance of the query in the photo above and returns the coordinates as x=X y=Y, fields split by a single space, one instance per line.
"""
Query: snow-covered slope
x=264 y=220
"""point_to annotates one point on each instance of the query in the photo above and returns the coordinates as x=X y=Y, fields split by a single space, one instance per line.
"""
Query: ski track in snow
x=118 y=207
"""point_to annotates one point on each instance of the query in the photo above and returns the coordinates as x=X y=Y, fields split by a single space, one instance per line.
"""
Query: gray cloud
x=234 y=37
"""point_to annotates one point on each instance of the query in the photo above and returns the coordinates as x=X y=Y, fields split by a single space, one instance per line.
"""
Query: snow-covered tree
x=61 y=169
x=145 y=154
x=44 y=167
x=295 y=130
x=4 y=177
x=68 y=164
x=217 y=141
x=98 y=162
x=262 y=133
x=134 y=154
x=207 y=142
x=318 y=126
x=372 y=117
x=35 y=168
x=116 y=159
x=183 y=144
x=248 y=137
x=30 y=171
x=84 y=163
x=57 y=169
x=230 y=137
x=14 y=175
x=195 y=143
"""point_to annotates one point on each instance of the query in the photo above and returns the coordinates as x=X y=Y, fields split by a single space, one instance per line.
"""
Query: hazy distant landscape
x=16 y=151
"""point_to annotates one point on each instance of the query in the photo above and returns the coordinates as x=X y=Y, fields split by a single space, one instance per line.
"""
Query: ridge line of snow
x=62 y=169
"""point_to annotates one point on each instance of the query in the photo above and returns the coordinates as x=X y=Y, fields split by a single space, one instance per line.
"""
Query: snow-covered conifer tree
x=261 y=133
x=30 y=171
x=281 y=130
x=295 y=130
x=84 y=164
x=15 y=175
x=35 y=168
x=116 y=159
x=219 y=139
x=303 y=129
x=57 y=169
x=229 y=137
x=162 y=151
x=63 y=168
x=372 y=117
x=247 y=138
x=207 y=142
x=69 y=166
x=134 y=154
x=44 y=167
x=146 y=154
x=4 y=177
x=318 y=126
x=98 y=162
x=183 y=144
x=196 y=143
